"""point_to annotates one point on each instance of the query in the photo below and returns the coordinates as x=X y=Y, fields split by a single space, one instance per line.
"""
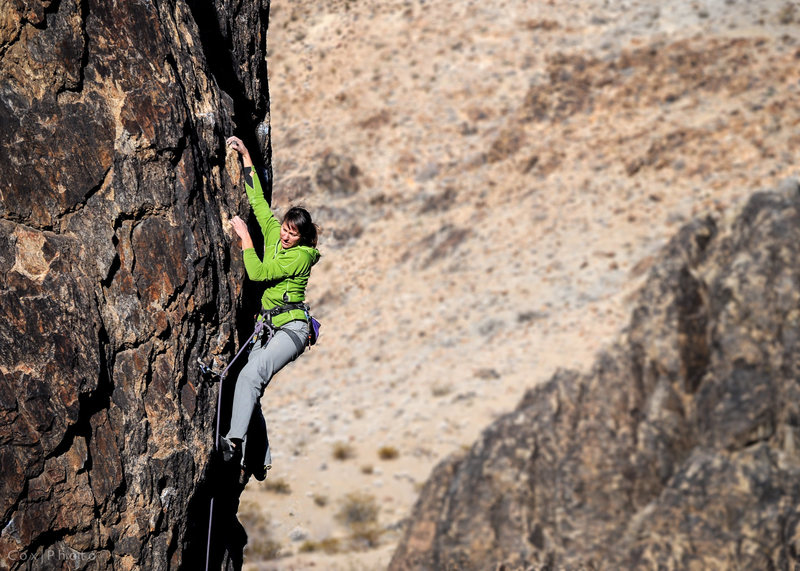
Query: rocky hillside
x=116 y=272
x=678 y=449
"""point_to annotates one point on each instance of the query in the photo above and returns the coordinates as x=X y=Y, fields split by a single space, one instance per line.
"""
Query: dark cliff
x=115 y=270
x=678 y=450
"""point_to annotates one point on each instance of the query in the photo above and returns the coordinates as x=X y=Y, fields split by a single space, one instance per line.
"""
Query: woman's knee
x=251 y=376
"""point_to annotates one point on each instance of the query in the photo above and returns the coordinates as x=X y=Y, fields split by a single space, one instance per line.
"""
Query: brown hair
x=299 y=217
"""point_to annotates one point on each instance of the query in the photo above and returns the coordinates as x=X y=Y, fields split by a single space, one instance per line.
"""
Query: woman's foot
x=260 y=473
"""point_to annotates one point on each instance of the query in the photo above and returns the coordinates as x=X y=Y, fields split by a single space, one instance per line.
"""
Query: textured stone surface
x=115 y=271
x=677 y=450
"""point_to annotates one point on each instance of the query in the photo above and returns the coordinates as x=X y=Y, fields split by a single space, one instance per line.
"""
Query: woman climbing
x=289 y=254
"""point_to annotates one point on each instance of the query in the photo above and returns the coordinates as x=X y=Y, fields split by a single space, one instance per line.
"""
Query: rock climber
x=289 y=254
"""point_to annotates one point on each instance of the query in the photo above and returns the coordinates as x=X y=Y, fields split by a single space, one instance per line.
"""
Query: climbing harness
x=313 y=324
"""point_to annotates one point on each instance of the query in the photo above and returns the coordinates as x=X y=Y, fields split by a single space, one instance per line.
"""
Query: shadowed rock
x=115 y=271
x=677 y=450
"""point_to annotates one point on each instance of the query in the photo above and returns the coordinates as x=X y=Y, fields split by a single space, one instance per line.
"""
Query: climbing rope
x=205 y=369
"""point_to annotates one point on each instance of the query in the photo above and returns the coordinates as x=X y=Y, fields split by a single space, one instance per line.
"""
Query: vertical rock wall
x=115 y=269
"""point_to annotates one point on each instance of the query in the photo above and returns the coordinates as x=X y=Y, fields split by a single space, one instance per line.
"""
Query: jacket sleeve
x=270 y=227
x=287 y=263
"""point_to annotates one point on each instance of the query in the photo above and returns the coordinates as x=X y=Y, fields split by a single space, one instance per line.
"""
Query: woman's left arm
x=237 y=145
x=270 y=226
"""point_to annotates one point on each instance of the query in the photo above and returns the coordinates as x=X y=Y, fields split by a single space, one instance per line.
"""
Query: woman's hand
x=240 y=227
x=237 y=145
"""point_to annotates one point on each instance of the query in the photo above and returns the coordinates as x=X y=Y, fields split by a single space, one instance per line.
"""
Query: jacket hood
x=313 y=253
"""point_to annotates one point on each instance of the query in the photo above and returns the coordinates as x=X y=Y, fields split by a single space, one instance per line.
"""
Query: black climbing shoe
x=260 y=474
x=229 y=449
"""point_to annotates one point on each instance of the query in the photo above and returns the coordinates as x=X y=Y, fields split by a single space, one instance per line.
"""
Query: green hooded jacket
x=285 y=271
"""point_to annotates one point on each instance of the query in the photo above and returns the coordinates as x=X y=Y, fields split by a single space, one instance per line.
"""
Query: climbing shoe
x=260 y=474
x=229 y=449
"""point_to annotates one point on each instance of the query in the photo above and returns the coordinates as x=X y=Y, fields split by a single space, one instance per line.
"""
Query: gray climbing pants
x=264 y=361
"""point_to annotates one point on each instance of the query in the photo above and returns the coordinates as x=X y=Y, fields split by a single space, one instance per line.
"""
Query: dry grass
x=329 y=545
x=278 y=486
x=388 y=453
x=359 y=512
x=441 y=389
x=260 y=545
x=343 y=451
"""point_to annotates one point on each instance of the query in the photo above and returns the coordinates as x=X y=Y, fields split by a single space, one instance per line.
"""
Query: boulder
x=677 y=450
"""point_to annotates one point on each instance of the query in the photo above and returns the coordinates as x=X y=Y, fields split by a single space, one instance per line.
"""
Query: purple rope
x=259 y=326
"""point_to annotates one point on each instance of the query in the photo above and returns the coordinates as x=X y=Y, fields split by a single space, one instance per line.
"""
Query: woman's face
x=290 y=237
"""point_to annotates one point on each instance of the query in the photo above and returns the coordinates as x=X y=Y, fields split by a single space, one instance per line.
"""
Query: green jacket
x=285 y=271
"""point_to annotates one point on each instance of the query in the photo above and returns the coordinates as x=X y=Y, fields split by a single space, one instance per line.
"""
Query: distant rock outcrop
x=678 y=450
x=115 y=271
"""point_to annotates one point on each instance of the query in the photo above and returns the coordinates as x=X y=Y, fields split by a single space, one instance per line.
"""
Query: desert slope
x=493 y=180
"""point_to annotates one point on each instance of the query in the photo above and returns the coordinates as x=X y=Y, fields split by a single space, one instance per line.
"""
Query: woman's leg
x=261 y=366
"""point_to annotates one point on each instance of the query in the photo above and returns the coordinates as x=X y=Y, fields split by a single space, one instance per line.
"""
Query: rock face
x=115 y=271
x=677 y=450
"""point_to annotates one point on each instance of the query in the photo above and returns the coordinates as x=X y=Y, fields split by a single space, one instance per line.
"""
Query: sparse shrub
x=488 y=327
x=441 y=389
x=367 y=469
x=367 y=536
x=359 y=512
x=278 y=486
x=329 y=545
x=786 y=15
x=440 y=202
x=526 y=316
x=260 y=546
x=263 y=550
x=388 y=453
x=487 y=374
x=343 y=451
x=297 y=187
x=358 y=508
x=447 y=240
x=321 y=501
x=308 y=546
x=506 y=144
